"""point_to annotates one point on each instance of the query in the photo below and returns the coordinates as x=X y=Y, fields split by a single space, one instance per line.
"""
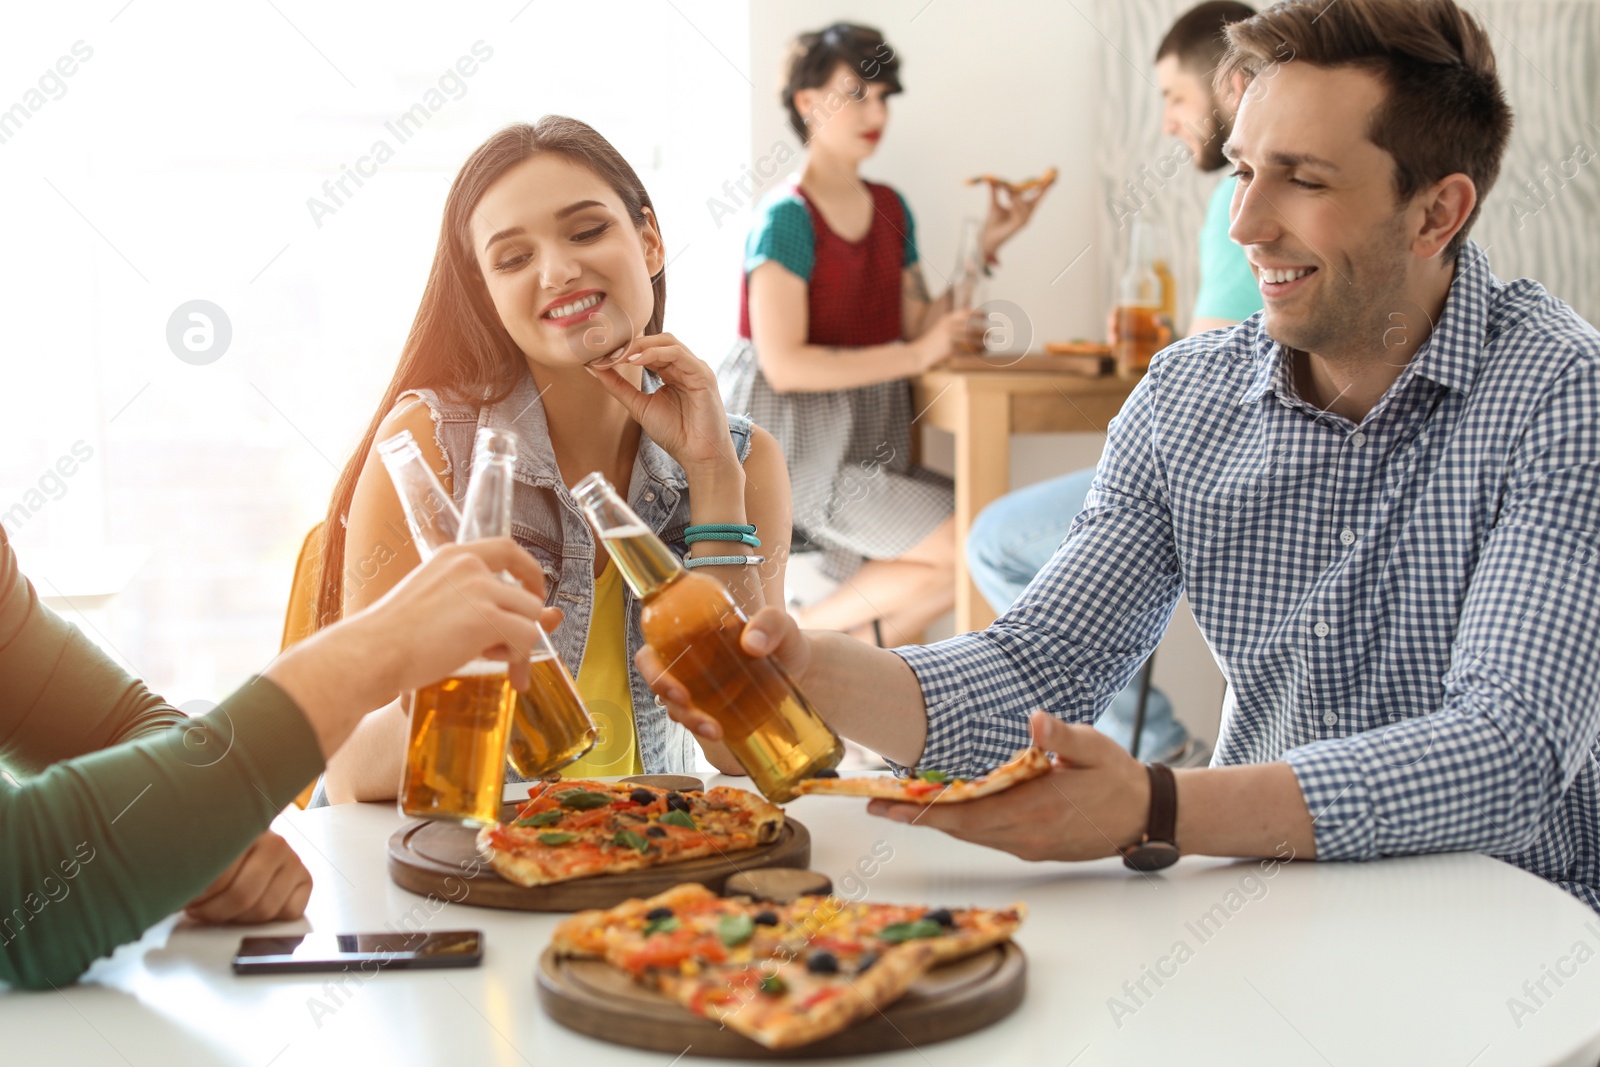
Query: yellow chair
x=300 y=621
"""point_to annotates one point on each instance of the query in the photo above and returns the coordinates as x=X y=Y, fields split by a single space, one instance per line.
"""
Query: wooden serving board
x=596 y=999
x=441 y=859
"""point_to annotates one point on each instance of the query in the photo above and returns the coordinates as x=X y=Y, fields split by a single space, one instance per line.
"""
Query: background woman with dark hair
x=542 y=314
x=835 y=317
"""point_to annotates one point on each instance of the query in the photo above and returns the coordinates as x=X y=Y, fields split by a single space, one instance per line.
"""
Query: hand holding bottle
x=770 y=632
x=452 y=609
x=950 y=332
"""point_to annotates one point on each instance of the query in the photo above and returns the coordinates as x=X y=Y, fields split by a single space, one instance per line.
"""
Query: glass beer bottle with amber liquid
x=550 y=727
x=693 y=624
x=456 y=739
x=459 y=727
x=1141 y=297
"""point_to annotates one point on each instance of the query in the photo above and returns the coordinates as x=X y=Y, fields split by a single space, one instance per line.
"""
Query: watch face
x=1151 y=856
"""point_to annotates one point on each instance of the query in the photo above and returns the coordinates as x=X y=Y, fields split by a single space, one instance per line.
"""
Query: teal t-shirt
x=1227 y=288
x=781 y=231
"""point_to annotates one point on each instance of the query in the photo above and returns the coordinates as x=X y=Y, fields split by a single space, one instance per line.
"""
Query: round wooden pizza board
x=441 y=859
x=596 y=999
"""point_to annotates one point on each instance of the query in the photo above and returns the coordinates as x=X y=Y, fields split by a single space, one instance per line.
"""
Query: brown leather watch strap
x=1163 y=804
x=1159 y=847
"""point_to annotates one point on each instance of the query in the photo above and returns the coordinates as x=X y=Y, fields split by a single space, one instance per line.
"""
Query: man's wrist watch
x=1159 y=846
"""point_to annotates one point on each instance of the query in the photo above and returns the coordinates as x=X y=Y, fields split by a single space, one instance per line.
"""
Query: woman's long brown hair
x=457 y=343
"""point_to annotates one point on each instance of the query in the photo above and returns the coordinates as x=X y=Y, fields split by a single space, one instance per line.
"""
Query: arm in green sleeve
x=96 y=846
x=60 y=696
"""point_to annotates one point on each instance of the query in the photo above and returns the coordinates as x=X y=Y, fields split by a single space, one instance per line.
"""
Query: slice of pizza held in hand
x=1043 y=181
x=933 y=787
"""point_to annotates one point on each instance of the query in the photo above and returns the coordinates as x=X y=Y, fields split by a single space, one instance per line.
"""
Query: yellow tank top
x=603 y=685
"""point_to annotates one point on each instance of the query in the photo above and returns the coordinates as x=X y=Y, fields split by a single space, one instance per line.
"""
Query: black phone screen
x=337 y=952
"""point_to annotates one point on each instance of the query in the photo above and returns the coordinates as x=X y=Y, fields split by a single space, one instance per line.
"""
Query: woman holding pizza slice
x=542 y=315
x=835 y=318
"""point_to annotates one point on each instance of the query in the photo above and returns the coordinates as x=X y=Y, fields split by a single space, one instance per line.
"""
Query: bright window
x=175 y=163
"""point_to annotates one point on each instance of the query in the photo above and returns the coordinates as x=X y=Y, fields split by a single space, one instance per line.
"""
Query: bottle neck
x=645 y=561
x=429 y=511
x=488 y=505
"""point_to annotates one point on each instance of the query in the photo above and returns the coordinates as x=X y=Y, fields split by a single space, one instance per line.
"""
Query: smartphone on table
x=303 y=953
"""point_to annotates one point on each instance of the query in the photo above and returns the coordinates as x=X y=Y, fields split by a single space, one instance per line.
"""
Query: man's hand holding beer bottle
x=452 y=609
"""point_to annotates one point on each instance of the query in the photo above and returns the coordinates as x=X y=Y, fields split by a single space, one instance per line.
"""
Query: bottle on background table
x=1142 y=302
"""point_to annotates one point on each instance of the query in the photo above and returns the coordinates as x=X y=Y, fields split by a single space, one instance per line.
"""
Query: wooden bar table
x=982 y=401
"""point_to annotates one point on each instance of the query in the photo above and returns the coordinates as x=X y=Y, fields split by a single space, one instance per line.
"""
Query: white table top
x=1412 y=961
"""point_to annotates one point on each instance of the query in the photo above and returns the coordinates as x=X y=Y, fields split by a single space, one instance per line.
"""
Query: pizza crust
x=765 y=817
x=1032 y=762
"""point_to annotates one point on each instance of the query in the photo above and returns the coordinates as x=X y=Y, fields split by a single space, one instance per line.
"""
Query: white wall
x=1010 y=91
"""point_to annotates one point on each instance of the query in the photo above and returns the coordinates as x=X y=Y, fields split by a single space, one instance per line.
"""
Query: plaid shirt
x=1406 y=610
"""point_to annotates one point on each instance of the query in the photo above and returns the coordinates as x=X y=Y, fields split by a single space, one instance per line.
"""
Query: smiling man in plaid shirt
x=1381 y=494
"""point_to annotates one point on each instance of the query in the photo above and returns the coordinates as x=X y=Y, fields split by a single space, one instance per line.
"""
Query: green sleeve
x=782 y=233
x=97 y=846
x=911 y=256
x=1228 y=289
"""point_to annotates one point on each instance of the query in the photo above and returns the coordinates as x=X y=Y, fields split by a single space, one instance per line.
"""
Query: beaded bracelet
x=722 y=561
x=721 y=531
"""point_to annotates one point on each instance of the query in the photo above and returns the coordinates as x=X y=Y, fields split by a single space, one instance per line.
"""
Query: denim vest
x=547 y=522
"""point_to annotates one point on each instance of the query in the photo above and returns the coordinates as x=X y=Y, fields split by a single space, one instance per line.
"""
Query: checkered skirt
x=857 y=495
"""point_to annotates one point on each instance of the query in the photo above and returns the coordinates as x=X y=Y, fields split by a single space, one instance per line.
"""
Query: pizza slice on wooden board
x=781 y=974
x=786 y=1002
x=933 y=787
x=690 y=922
x=578 y=828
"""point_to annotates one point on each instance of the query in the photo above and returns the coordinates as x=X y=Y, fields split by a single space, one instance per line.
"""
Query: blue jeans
x=1011 y=541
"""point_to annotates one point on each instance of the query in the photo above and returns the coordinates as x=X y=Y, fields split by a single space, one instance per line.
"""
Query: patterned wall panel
x=1542 y=219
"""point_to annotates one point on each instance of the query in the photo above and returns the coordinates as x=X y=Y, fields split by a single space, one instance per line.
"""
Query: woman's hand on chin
x=685 y=415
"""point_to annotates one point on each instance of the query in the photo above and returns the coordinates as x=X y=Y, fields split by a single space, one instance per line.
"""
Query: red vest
x=855 y=288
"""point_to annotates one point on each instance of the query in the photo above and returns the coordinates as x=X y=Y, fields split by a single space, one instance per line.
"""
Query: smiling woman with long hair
x=542 y=314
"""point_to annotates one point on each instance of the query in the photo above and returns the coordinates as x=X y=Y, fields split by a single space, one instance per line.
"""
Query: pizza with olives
x=781 y=974
x=933 y=787
x=578 y=828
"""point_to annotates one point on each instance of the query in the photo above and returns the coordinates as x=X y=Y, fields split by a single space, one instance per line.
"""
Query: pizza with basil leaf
x=781 y=974
x=578 y=828
x=932 y=787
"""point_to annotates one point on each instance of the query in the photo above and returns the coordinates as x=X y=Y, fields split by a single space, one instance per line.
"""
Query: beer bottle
x=694 y=625
x=1139 y=299
x=458 y=726
x=429 y=511
x=550 y=727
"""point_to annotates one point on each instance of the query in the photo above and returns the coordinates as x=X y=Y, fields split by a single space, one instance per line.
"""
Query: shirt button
x=1358 y=439
x=1330 y=718
x=1347 y=537
x=651 y=495
x=1320 y=629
